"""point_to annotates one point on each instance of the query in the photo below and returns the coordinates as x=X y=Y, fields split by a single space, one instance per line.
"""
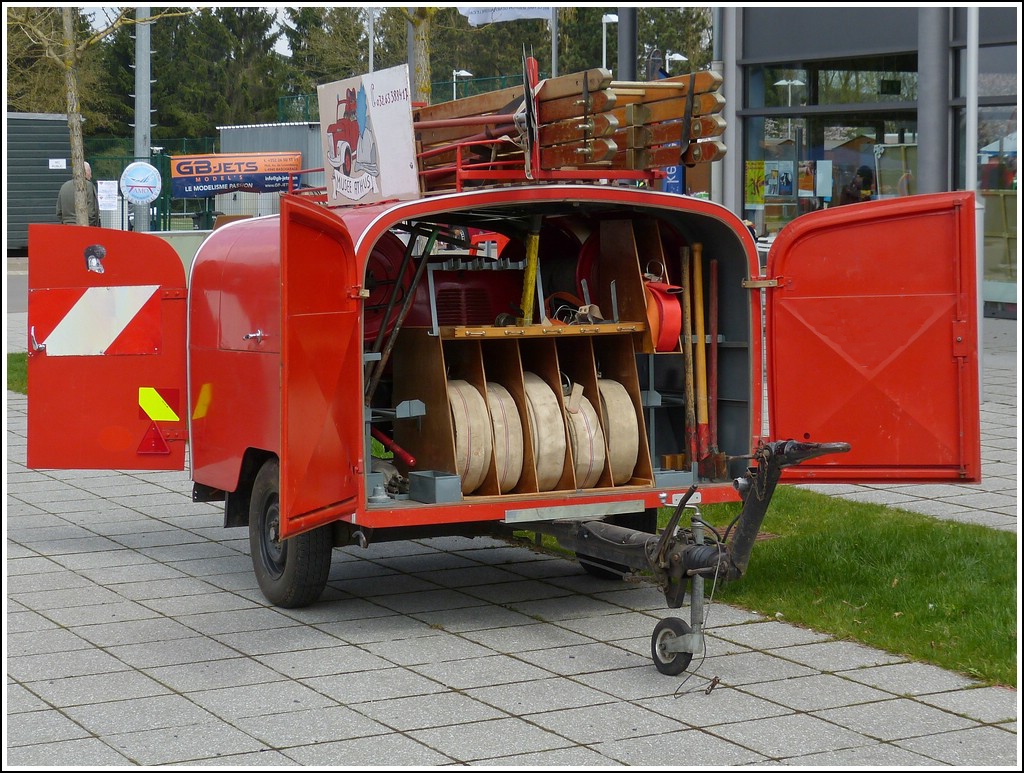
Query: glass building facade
x=839 y=104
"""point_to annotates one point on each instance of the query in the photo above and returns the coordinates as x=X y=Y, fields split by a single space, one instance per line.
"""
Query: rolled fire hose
x=472 y=434
x=508 y=436
x=586 y=439
x=621 y=429
x=664 y=315
x=546 y=431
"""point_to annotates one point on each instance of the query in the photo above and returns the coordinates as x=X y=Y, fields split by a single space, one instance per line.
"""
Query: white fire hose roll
x=508 y=436
x=587 y=440
x=472 y=434
x=546 y=431
x=621 y=429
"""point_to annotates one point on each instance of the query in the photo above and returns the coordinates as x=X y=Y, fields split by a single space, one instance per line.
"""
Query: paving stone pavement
x=136 y=636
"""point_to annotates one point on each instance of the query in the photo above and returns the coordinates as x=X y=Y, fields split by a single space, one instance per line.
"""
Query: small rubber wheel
x=665 y=633
x=291 y=573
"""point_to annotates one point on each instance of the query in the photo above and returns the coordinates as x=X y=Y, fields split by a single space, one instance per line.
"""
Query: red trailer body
x=301 y=335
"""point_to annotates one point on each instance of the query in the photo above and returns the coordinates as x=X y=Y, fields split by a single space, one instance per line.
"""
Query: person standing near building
x=860 y=187
x=66 y=201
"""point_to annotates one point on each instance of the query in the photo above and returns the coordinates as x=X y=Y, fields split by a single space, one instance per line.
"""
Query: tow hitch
x=678 y=556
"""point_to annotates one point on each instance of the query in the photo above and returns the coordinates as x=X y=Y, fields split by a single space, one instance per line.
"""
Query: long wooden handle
x=684 y=300
x=700 y=359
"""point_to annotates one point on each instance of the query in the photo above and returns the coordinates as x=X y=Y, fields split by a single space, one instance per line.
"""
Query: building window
x=812 y=127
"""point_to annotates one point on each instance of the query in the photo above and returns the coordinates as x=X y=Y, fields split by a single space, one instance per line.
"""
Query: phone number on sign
x=391 y=97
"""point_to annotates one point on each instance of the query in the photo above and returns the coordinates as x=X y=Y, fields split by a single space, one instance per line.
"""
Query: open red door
x=106 y=350
x=322 y=405
x=873 y=340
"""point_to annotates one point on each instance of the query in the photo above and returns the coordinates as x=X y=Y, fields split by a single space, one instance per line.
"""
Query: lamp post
x=789 y=83
x=456 y=74
x=608 y=18
x=673 y=58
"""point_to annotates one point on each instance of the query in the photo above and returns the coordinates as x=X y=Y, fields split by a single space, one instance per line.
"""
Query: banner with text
x=196 y=177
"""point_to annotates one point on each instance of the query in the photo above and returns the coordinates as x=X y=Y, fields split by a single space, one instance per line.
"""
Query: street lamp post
x=673 y=58
x=456 y=74
x=789 y=83
x=608 y=18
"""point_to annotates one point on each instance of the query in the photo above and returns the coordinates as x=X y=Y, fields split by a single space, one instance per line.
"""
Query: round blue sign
x=140 y=183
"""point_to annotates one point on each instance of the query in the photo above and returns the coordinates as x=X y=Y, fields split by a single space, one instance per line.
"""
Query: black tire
x=291 y=573
x=646 y=521
x=665 y=632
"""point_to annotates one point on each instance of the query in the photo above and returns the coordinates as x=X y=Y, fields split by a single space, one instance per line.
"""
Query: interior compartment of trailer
x=599 y=382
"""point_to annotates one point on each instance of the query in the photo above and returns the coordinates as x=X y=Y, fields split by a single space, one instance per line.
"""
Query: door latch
x=258 y=336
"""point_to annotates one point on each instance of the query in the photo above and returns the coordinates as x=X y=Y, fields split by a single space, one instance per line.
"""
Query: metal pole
x=372 y=12
x=142 y=105
x=971 y=174
x=554 y=42
x=627 y=44
x=717 y=65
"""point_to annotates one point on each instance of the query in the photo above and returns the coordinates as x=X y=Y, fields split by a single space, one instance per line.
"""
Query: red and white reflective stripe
x=108 y=320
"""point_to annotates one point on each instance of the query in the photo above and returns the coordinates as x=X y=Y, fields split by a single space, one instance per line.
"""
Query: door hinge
x=358 y=292
x=760 y=282
x=962 y=342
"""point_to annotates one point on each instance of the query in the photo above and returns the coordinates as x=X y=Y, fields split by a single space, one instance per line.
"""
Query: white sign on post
x=368 y=140
x=106 y=195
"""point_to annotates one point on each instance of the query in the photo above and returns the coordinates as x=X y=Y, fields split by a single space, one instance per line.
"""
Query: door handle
x=36 y=346
x=259 y=335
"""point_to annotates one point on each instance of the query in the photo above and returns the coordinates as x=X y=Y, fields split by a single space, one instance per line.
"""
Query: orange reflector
x=153 y=441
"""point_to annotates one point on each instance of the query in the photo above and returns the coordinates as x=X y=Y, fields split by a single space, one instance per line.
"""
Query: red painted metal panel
x=96 y=338
x=873 y=339
x=321 y=391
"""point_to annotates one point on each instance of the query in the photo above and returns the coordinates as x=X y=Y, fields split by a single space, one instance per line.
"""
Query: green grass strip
x=17 y=376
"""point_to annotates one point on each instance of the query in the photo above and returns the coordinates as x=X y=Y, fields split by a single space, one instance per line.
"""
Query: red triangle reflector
x=153 y=441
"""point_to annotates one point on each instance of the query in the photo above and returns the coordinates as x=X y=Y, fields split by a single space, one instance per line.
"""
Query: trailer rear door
x=872 y=339
x=106 y=350
x=321 y=361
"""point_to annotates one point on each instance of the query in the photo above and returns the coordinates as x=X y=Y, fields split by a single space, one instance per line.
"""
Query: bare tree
x=57 y=34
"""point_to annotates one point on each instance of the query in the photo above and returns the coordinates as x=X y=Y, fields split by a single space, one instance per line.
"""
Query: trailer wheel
x=666 y=660
x=606 y=570
x=291 y=573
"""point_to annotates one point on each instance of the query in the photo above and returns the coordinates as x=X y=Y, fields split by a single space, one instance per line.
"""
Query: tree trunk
x=421 y=18
x=75 y=116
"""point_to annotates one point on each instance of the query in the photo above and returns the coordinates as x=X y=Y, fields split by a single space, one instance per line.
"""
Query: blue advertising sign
x=197 y=177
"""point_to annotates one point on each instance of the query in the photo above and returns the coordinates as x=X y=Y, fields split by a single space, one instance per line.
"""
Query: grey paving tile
x=42 y=641
x=31 y=565
x=752 y=667
x=613 y=626
x=770 y=634
x=156 y=653
x=150 y=571
x=523 y=697
x=471 y=576
x=790 y=735
x=62 y=598
x=301 y=663
x=837 y=656
x=392 y=628
x=606 y=722
x=310 y=726
x=571 y=757
x=817 y=691
x=894 y=719
x=298 y=640
x=976 y=746
x=466 y=673
x=641 y=680
x=439 y=647
x=586 y=658
x=476 y=740
x=234 y=621
x=168 y=588
x=129 y=716
x=101 y=614
x=982 y=704
x=363 y=753
x=96 y=688
x=473 y=618
x=253 y=700
x=911 y=678
x=67 y=755
x=188 y=743
x=691 y=704
x=214 y=601
x=20 y=700
x=564 y=608
x=211 y=674
x=431 y=710
x=699 y=749
x=264 y=758
x=883 y=756
x=339 y=609
x=351 y=689
x=520 y=590
x=441 y=599
x=56 y=665
x=38 y=727
x=156 y=629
